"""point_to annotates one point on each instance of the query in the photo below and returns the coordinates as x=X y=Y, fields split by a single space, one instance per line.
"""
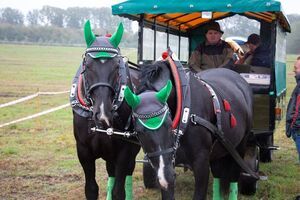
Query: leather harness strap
x=160 y=152
x=219 y=134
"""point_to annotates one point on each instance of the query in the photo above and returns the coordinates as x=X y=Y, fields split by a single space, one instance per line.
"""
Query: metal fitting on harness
x=193 y=119
x=110 y=132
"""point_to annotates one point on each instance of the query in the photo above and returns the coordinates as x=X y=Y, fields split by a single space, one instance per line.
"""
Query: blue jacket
x=293 y=111
x=261 y=57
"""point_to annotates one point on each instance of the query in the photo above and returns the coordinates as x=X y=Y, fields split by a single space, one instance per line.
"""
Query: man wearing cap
x=213 y=52
x=258 y=55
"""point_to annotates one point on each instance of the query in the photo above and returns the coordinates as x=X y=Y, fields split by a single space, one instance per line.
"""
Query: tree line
x=56 y=25
x=64 y=26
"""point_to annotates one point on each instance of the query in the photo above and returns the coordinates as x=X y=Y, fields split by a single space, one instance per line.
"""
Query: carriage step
x=271 y=148
x=262 y=176
x=141 y=161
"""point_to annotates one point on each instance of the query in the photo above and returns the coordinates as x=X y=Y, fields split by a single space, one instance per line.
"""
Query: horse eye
x=88 y=61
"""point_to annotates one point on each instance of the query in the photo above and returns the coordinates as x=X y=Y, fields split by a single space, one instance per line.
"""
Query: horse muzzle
x=102 y=121
x=165 y=175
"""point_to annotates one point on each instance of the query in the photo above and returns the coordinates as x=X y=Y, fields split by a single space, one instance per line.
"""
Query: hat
x=253 y=39
x=213 y=26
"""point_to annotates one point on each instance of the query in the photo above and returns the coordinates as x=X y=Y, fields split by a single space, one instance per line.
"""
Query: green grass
x=38 y=157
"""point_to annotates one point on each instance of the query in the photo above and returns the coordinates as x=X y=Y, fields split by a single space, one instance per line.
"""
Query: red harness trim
x=178 y=92
x=79 y=94
x=227 y=108
x=233 y=121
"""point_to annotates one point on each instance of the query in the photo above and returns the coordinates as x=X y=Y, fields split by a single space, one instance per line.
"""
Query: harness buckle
x=193 y=119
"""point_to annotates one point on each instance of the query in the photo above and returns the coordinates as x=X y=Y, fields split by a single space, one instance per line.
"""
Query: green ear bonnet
x=150 y=108
x=102 y=47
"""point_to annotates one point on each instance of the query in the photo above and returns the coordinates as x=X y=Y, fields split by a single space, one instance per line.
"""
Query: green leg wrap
x=110 y=186
x=128 y=188
x=217 y=189
x=233 y=191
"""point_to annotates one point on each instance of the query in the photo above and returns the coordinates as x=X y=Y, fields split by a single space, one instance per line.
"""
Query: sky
x=289 y=6
x=26 y=5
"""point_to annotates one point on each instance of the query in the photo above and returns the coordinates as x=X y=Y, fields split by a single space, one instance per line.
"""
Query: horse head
x=153 y=126
x=101 y=74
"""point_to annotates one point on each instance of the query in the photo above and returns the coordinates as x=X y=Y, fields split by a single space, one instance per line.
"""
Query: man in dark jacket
x=258 y=54
x=293 y=110
x=213 y=52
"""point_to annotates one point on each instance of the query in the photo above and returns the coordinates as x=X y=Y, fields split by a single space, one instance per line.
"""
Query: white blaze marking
x=103 y=116
x=160 y=173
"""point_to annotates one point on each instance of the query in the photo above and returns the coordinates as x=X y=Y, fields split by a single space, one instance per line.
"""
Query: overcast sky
x=290 y=6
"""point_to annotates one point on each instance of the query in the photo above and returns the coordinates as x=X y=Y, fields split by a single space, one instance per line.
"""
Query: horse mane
x=149 y=74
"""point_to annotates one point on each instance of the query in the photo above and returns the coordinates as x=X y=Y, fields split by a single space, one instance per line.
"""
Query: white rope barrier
x=30 y=97
x=19 y=100
x=35 y=115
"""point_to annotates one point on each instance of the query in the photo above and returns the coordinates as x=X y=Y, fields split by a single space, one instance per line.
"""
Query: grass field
x=38 y=157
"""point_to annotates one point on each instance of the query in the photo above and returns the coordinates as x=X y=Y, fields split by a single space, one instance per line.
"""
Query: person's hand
x=235 y=57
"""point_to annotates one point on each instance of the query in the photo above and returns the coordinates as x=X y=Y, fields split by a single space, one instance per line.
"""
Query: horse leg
x=118 y=192
x=123 y=163
x=131 y=154
x=88 y=165
x=217 y=195
x=201 y=174
x=227 y=171
x=233 y=191
x=110 y=168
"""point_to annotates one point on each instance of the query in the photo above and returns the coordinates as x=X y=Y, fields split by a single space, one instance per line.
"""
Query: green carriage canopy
x=185 y=15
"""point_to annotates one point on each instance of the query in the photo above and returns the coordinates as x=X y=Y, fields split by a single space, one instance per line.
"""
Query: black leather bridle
x=122 y=78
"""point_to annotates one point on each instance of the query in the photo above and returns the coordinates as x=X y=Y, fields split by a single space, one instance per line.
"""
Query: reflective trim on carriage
x=257 y=79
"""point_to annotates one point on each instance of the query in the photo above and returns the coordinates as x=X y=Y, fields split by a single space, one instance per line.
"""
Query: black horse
x=153 y=121
x=99 y=103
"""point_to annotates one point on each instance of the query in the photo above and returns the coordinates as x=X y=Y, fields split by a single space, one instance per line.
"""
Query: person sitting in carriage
x=213 y=52
x=258 y=54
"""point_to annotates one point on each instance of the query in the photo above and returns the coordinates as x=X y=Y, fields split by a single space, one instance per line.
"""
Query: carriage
x=180 y=25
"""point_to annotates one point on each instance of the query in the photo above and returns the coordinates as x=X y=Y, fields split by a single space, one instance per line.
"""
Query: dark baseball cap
x=213 y=26
x=253 y=39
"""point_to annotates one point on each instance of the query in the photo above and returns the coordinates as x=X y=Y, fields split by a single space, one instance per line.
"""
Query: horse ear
x=88 y=34
x=115 y=39
x=132 y=99
x=164 y=93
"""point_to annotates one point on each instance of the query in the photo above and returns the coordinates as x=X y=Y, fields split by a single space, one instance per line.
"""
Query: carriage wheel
x=247 y=184
x=266 y=155
x=149 y=175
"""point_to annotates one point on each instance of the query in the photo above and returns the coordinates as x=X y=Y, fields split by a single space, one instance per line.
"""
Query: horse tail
x=225 y=183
